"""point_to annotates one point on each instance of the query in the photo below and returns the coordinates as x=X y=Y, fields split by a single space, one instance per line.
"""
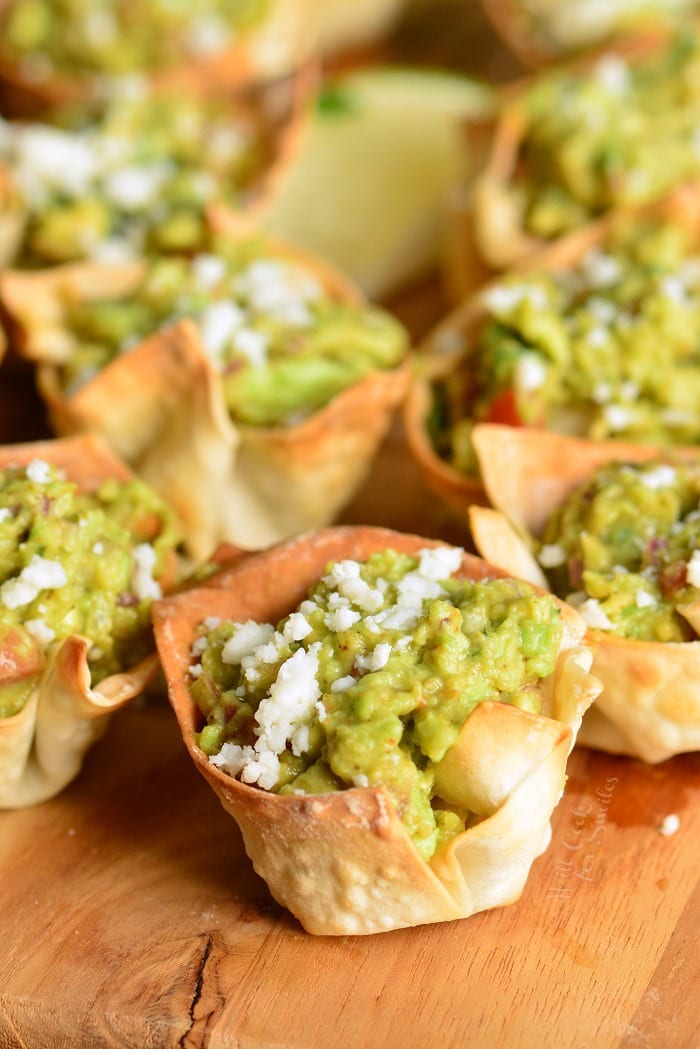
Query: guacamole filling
x=607 y=350
x=619 y=135
x=114 y=37
x=283 y=346
x=575 y=25
x=370 y=679
x=78 y=563
x=130 y=178
x=624 y=548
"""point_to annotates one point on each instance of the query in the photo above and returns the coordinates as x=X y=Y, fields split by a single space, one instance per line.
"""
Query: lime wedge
x=369 y=188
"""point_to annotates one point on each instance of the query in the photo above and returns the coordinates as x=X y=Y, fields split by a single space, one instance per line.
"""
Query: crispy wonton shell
x=514 y=24
x=161 y=408
x=454 y=342
x=294 y=32
x=650 y=703
x=43 y=746
x=343 y=862
x=493 y=224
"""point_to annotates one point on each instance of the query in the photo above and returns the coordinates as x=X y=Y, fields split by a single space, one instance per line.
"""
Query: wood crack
x=199 y=983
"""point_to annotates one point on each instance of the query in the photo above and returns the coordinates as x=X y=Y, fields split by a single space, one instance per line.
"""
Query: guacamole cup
x=254 y=406
x=541 y=31
x=143 y=173
x=348 y=856
x=603 y=134
x=595 y=336
x=86 y=548
x=649 y=706
x=52 y=53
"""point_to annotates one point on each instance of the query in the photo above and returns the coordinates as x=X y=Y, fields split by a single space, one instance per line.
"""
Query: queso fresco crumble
x=370 y=679
x=78 y=563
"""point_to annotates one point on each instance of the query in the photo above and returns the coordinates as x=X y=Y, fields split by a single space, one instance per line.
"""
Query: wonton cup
x=292 y=33
x=536 y=46
x=650 y=703
x=161 y=408
x=43 y=746
x=280 y=111
x=343 y=863
x=278 y=46
x=491 y=227
x=455 y=342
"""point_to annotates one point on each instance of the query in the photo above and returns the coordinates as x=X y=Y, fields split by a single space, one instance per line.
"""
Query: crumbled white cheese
x=208 y=271
x=613 y=74
x=207 y=35
x=218 y=323
x=40 y=631
x=593 y=615
x=135 y=188
x=341 y=619
x=245 y=639
x=602 y=392
x=552 y=555
x=360 y=780
x=98 y=548
x=597 y=337
x=297 y=627
x=211 y=622
x=663 y=476
x=145 y=586
x=617 y=417
x=253 y=345
x=195 y=669
x=376 y=659
x=199 y=646
x=5 y=513
x=47 y=159
x=600 y=269
x=39 y=471
x=674 y=289
x=40 y=574
x=643 y=599
x=100 y=26
x=504 y=298
x=341 y=684
x=603 y=310
x=693 y=569
x=531 y=373
x=669 y=825
x=345 y=577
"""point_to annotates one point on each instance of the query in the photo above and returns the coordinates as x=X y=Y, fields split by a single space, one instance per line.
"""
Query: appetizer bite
x=249 y=384
x=347 y=696
x=598 y=337
x=56 y=51
x=138 y=175
x=539 y=31
x=85 y=548
x=615 y=132
x=615 y=531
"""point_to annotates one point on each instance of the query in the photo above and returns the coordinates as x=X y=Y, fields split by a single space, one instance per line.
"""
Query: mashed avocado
x=370 y=680
x=283 y=346
x=608 y=349
x=624 y=548
x=113 y=37
x=131 y=177
x=619 y=135
x=569 y=26
x=77 y=563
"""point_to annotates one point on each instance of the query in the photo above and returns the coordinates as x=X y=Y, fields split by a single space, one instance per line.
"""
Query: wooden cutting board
x=130 y=915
